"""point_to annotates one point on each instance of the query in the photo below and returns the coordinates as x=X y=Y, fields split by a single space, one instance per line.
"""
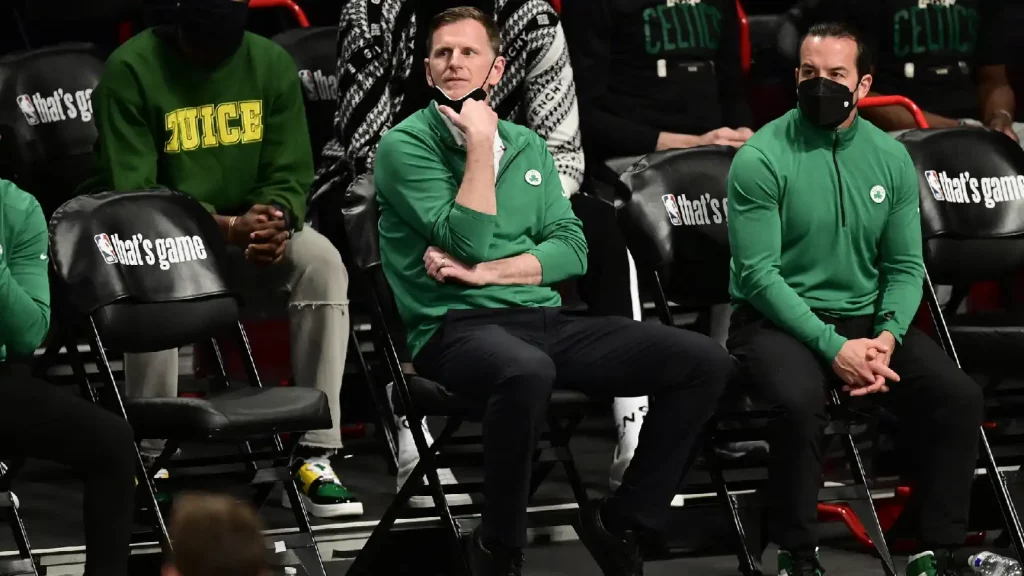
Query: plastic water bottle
x=989 y=564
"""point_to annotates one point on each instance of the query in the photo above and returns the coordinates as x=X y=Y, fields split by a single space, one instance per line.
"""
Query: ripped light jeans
x=316 y=283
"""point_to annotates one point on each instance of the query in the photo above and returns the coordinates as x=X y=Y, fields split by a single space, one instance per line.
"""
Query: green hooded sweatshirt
x=825 y=223
x=24 y=280
x=418 y=171
x=229 y=136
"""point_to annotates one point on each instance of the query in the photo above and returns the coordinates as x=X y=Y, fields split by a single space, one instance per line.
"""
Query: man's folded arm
x=24 y=286
x=755 y=237
x=561 y=248
x=413 y=181
x=902 y=262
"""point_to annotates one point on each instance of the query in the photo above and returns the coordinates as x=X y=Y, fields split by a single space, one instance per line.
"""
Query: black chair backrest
x=315 y=51
x=676 y=223
x=361 y=214
x=971 y=185
x=147 y=265
x=47 y=129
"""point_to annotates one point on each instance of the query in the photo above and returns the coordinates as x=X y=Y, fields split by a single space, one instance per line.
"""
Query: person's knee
x=528 y=381
x=956 y=390
x=114 y=441
x=321 y=275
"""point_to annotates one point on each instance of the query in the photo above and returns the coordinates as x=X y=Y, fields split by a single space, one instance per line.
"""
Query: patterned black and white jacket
x=376 y=54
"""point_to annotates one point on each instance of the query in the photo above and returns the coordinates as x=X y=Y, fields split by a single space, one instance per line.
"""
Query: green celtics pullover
x=825 y=222
x=24 y=281
x=230 y=136
x=418 y=171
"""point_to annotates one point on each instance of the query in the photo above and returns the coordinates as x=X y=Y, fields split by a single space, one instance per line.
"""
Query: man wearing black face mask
x=827 y=274
x=210 y=110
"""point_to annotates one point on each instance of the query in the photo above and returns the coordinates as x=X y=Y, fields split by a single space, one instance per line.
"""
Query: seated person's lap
x=789 y=374
x=474 y=349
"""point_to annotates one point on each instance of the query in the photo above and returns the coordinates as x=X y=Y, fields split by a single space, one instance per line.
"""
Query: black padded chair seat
x=982 y=339
x=432 y=399
x=232 y=414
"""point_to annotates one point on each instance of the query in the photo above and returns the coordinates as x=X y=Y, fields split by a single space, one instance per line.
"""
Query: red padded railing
x=745 y=49
x=289 y=5
x=877 y=101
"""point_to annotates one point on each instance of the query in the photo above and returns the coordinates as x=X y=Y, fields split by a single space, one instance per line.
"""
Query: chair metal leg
x=103 y=364
x=864 y=507
x=380 y=402
x=1002 y=493
x=750 y=565
x=425 y=468
x=25 y=564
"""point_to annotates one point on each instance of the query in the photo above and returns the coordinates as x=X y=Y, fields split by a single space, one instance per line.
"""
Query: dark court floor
x=51 y=501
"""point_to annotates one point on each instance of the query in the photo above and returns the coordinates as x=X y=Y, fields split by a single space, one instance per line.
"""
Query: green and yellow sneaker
x=931 y=564
x=790 y=565
x=323 y=495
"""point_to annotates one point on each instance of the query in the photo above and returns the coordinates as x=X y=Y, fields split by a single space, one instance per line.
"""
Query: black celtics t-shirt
x=665 y=59
x=930 y=50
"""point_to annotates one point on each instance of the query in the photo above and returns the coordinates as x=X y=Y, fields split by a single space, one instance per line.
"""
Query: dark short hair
x=215 y=535
x=453 y=15
x=843 y=30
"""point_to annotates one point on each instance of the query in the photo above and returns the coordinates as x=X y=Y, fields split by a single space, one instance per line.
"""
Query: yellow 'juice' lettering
x=172 y=145
x=252 y=120
x=227 y=134
x=209 y=129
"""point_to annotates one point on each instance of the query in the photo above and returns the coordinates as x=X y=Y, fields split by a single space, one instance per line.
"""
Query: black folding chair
x=315 y=51
x=675 y=225
x=47 y=130
x=415 y=396
x=23 y=564
x=146 y=270
x=972 y=220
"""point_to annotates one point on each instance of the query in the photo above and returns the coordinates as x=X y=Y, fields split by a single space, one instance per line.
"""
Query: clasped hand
x=261 y=232
x=443 y=268
x=863 y=365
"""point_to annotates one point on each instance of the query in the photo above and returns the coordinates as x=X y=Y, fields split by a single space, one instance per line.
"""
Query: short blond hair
x=215 y=535
x=460 y=13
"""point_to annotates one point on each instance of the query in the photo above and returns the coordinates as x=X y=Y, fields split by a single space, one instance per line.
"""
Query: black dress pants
x=938 y=407
x=510 y=360
x=39 y=421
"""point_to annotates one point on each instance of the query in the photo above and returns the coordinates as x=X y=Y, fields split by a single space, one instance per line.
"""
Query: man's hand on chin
x=444 y=268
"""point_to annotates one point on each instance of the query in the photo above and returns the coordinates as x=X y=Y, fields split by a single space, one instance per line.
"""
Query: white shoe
x=409 y=458
x=445 y=475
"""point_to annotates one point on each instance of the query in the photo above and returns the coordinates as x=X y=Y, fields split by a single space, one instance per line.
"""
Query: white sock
x=629 y=416
x=628 y=412
x=407 y=453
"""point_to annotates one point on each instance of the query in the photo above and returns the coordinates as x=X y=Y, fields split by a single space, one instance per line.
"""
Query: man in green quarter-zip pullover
x=38 y=420
x=474 y=230
x=215 y=112
x=827 y=274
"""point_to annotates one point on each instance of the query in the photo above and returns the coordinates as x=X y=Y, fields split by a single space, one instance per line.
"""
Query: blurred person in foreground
x=216 y=535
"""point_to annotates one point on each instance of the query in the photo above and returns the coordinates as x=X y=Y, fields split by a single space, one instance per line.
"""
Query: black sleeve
x=588 y=30
x=729 y=72
x=992 y=47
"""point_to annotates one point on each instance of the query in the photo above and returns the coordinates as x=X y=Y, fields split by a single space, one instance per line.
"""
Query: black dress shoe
x=497 y=562
x=616 y=554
